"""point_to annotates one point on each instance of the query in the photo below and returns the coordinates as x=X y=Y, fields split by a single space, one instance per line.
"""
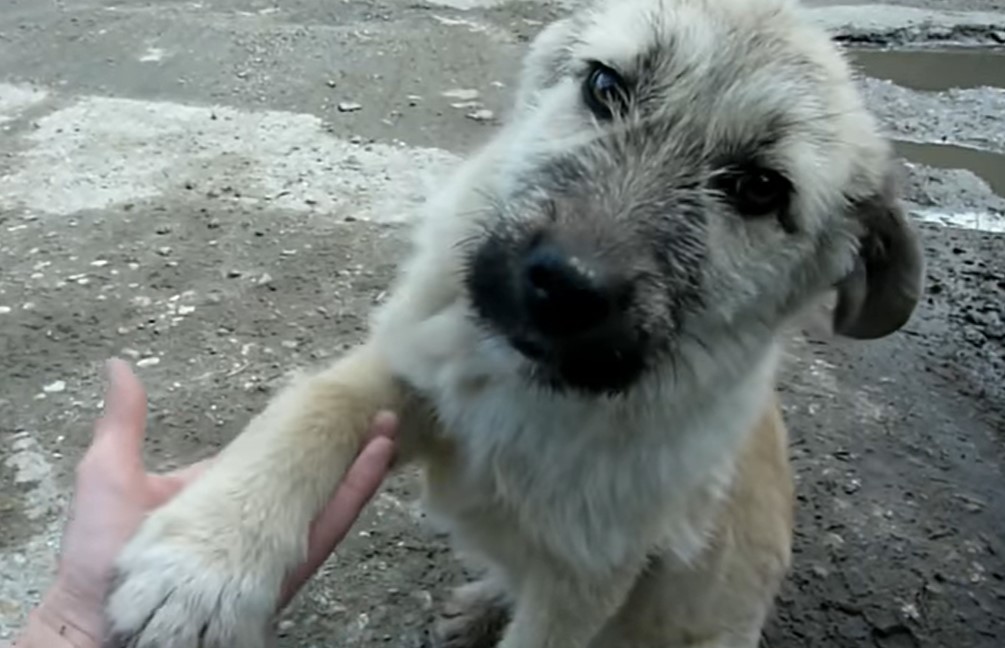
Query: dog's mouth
x=530 y=347
x=592 y=367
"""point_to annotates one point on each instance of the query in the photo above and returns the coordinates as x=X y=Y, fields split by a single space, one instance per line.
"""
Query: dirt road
x=218 y=190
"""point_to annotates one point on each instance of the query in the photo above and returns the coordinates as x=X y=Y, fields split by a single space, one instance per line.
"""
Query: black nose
x=563 y=294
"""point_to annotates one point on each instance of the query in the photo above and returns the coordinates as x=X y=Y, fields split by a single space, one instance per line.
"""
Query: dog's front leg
x=206 y=569
x=565 y=611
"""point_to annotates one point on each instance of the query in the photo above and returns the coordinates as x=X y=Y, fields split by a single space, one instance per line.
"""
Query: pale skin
x=114 y=493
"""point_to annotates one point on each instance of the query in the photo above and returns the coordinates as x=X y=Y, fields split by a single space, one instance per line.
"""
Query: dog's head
x=684 y=171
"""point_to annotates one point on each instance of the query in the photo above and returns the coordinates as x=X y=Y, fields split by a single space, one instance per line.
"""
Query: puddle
x=985 y=164
x=934 y=69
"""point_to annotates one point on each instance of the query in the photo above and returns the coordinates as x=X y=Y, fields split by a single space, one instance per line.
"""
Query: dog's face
x=683 y=172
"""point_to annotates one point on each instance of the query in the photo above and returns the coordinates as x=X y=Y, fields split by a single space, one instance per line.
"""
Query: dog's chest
x=596 y=484
x=592 y=480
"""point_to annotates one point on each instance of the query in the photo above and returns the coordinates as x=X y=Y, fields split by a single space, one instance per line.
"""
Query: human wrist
x=62 y=620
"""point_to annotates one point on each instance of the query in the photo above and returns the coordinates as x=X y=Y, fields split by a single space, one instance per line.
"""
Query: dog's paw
x=172 y=591
x=475 y=617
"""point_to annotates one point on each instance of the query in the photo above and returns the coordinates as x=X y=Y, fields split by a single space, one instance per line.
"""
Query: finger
x=125 y=411
x=385 y=424
x=357 y=488
x=361 y=481
x=359 y=485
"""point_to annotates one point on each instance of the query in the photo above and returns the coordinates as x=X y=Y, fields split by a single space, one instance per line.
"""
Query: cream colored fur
x=658 y=519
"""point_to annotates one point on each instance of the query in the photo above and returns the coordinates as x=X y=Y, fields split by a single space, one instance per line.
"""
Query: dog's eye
x=604 y=91
x=759 y=192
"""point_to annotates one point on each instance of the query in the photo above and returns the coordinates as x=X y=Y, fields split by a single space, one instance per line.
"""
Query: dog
x=582 y=348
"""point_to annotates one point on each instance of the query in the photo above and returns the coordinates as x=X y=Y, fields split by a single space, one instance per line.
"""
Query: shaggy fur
x=606 y=443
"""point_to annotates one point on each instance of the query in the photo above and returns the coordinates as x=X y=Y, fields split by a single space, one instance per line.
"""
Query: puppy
x=583 y=348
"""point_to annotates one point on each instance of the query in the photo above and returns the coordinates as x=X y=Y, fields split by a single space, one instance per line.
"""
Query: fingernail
x=386 y=423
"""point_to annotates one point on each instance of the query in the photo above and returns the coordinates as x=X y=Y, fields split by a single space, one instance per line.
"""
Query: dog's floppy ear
x=881 y=292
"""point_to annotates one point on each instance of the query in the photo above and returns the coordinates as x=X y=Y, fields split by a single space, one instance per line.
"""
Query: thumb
x=123 y=421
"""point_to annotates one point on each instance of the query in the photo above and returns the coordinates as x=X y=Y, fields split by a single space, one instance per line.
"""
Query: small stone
x=164 y=251
x=331 y=83
x=264 y=280
x=5 y=310
x=234 y=274
x=462 y=94
x=349 y=106
x=425 y=599
x=148 y=362
x=482 y=115
x=186 y=310
x=973 y=507
x=55 y=387
x=970 y=504
x=100 y=263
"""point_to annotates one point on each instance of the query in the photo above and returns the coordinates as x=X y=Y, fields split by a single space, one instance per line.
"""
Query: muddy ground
x=154 y=209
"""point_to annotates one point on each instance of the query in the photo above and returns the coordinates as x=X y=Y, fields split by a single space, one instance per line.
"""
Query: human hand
x=114 y=493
